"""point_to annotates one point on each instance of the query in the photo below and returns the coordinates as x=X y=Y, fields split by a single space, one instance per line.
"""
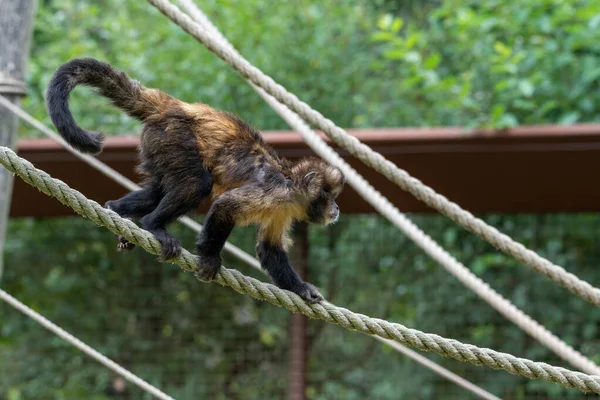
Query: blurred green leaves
x=492 y=64
x=319 y=51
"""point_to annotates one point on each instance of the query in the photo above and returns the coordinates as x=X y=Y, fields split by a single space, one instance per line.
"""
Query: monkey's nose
x=334 y=218
x=335 y=210
x=335 y=213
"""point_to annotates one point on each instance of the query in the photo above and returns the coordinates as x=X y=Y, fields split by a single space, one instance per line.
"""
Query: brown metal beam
x=534 y=169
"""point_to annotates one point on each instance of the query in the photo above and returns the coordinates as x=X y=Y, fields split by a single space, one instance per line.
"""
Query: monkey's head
x=320 y=184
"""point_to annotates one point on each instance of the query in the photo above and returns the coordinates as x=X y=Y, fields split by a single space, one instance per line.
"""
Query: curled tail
x=125 y=93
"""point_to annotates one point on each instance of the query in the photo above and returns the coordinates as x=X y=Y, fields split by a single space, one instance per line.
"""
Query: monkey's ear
x=308 y=178
x=309 y=181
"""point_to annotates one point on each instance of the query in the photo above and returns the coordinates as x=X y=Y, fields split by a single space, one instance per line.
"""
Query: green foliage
x=150 y=317
x=491 y=64
x=292 y=42
x=392 y=278
x=204 y=340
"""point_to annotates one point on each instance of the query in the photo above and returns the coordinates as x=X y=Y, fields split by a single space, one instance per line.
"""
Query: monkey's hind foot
x=309 y=293
x=208 y=267
x=123 y=244
x=170 y=247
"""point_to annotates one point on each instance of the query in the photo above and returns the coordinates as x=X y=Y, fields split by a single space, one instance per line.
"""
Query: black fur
x=57 y=101
x=275 y=261
x=317 y=209
x=178 y=186
x=217 y=227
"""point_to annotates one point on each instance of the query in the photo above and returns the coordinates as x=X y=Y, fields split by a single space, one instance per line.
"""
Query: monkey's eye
x=325 y=191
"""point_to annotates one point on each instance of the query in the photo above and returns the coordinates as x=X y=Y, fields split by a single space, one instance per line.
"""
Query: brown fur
x=190 y=152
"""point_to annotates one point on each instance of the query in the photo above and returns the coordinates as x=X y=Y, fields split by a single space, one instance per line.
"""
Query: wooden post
x=298 y=339
x=16 y=20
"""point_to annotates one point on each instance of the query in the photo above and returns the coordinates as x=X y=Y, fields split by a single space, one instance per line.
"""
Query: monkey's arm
x=241 y=205
x=275 y=261
x=247 y=204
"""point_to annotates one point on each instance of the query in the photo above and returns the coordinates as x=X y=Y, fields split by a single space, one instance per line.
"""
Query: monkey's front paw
x=171 y=247
x=309 y=293
x=123 y=244
x=208 y=267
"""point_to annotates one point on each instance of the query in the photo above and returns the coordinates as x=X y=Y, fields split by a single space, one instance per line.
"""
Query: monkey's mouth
x=333 y=217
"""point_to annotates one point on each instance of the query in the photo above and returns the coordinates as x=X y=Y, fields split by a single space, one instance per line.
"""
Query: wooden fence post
x=16 y=21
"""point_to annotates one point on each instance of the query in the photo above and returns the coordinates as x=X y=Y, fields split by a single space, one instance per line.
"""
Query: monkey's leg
x=134 y=205
x=180 y=199
x=218 y=224
x=275 y=261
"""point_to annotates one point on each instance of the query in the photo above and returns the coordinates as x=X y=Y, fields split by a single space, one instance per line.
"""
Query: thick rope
x=236 y=251
x=274 y=295
x=376 y=161
x=388 y=210
x=438 y=369
x=107 y=362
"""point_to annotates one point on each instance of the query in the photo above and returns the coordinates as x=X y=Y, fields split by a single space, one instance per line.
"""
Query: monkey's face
x=323 y=210
x=322 y=184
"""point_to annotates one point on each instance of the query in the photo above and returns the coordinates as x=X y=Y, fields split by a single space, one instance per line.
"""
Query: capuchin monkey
x=191 y=152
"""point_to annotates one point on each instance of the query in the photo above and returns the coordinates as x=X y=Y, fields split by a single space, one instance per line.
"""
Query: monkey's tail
x=125 y=93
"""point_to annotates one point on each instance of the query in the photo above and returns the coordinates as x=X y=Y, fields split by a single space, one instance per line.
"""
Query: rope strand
x=102 y=359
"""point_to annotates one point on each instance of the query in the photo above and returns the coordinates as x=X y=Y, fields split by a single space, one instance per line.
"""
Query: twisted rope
x=102 y=359
x=392 y=214
x=376 y=161
x=325 y=311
